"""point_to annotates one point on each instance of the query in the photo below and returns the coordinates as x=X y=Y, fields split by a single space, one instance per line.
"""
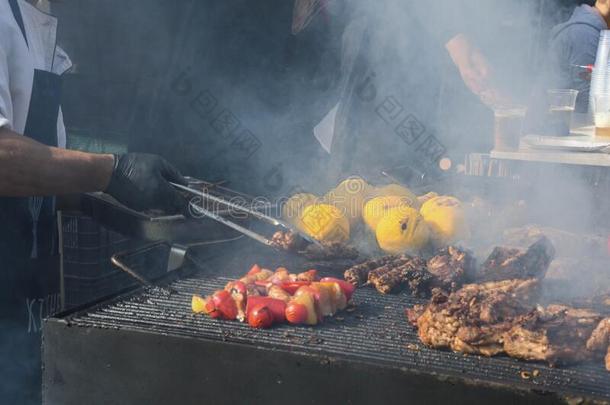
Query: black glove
x=141 y=181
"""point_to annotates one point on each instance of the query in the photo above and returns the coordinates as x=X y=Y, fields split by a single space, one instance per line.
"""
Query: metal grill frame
x=147 y=348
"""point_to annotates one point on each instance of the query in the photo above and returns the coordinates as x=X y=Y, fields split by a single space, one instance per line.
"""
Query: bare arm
x=29 y=168
x=475 y=70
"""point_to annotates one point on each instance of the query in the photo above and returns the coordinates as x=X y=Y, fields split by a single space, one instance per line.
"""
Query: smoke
x=226 y=92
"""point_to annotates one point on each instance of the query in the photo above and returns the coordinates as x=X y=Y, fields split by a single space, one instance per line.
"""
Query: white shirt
x=18 y=62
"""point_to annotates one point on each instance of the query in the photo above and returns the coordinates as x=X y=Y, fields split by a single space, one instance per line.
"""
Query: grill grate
x=375 y=332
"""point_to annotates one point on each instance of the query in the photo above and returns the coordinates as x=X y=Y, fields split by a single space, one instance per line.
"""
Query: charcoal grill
x=145 y=346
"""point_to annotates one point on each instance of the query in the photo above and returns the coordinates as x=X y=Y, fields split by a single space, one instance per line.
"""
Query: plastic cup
x=508 y=127
x=600 y=78
x=602 y=115
x=561 y=104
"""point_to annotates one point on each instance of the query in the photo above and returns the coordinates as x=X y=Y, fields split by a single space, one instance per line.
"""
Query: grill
x=147 y=346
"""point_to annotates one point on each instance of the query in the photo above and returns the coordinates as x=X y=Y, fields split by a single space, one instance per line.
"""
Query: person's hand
x=475 y=71
x=141 y=181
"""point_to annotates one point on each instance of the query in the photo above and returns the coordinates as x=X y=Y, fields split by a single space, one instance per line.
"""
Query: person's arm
x=446 y=23
x=475 y=70
x=30 y=168
x=140 y=181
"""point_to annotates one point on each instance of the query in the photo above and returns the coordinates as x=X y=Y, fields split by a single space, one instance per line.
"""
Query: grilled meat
x=358 y=274
x=600 y=338
x=411 y=274
x=288 y=241
x=330 y=251
x=599 y=342
x=451 y=267
x=416 y=311
x=555 y=334
x=475 y=318
x=506 y=263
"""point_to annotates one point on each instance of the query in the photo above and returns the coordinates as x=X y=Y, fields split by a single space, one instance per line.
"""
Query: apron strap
x=19 y=18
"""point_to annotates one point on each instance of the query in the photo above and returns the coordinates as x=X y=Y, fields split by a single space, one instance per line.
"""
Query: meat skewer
x=358 y=275
x=411 y=273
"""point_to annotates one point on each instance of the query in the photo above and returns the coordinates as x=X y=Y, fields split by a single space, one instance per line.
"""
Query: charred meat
x=507 y=263
x=329 y=251
x=599 y=342
x=390 y=274
x=287 y=241
x=451 y=267
x=555 y=334
x=411 y=274
x=358 y=274
x=475 y=318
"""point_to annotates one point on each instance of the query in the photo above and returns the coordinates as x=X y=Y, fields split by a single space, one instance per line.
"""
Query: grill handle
x=177 y=254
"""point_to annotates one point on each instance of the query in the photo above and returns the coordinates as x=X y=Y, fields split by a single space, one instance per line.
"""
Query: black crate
x=87 y=273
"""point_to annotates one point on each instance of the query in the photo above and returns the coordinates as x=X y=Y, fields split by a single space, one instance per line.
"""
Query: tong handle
x=273 y=221
x=254 y=213
x=232 y=225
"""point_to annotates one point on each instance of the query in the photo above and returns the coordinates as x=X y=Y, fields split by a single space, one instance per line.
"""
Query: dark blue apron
x=29 y=263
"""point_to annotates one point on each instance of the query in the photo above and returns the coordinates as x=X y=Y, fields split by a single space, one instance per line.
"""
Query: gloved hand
x=141 y=181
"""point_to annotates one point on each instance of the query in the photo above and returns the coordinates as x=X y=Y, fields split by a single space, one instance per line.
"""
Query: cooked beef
x=329 y=251
x=507 y=263
x=415 y=312
x=358 y=275
x=599 y=342
x=600 y=338
x=394 y=277
x=288 y=241
x=386 y=279
x=555 y=334
x=474 y=318
x=451 y=267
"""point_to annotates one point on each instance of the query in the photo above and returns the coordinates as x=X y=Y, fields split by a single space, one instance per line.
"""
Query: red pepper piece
x=292 y=286
x=240 y=288
x=222 y=305
x=277 y=307
x=255 y=269
x=260 y=317
x=296 y=313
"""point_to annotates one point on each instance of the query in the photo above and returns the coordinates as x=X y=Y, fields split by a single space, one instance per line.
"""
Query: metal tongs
x=247 y=232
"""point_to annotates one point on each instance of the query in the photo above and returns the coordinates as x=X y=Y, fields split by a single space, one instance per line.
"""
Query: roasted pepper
x=260 y=317
x=198 y=304
x=291 y=287
x=221 y=305
x=254 y=270
x=276 y=307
